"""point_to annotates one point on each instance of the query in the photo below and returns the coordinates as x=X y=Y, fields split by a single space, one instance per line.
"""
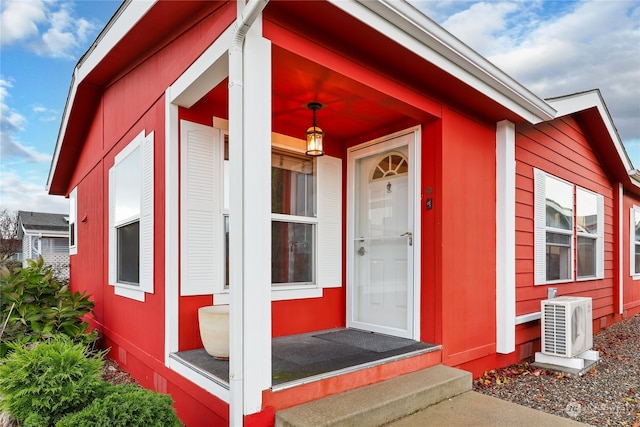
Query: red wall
x=466 y=259
x=559 y=148
x=132 y=102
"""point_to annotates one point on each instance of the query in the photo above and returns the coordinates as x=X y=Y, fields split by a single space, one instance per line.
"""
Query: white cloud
x=20 y=20
x=11 y=123
x=45 y=114
x=558 y=48
x=18 y=194
x=47 y=28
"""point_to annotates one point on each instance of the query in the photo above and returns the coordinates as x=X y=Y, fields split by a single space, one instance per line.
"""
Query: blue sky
x=552 y=47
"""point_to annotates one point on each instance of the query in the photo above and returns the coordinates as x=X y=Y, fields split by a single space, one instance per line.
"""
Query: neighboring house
x=449 y=199
x=46 y=235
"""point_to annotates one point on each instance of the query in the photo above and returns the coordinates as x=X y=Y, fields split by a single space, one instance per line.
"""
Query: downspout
x=248 y=13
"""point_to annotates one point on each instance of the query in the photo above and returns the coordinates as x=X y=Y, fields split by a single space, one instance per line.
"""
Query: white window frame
x=541 y=229
x=598 y=236
x=73 y=222
x=145 y=216
x=635 y=210
x=207 y=142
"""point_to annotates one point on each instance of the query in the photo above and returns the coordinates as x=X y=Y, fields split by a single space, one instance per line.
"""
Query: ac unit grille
x=566 y=326
x=555 y=327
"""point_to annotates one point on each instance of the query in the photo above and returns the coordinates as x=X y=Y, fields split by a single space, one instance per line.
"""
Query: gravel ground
x=607 y=395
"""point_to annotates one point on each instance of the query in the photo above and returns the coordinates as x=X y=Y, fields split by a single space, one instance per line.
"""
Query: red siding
x=467 y=246
x=559 y=148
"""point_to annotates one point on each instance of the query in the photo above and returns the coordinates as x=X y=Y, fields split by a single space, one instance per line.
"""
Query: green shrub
x=35 y=305
x=125 y=406
x=42 y=382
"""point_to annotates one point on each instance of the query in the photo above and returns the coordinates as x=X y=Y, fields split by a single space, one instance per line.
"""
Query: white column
x=505 y=237
x=250 y=224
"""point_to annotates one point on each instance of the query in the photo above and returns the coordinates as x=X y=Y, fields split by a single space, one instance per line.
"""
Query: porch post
x=250 y=224
x=505 y=237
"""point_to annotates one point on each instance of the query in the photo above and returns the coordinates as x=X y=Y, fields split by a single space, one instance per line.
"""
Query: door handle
x=361 y=251
x=410 y=236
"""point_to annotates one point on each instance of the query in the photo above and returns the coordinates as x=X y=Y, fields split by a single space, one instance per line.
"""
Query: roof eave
x=405 y=24
x=116 y=29
x=574 y=103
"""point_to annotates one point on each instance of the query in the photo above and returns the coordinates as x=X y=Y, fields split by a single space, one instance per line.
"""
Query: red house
x=448 y=200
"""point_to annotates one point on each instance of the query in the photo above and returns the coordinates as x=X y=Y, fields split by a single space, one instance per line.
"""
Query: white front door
x=382 y=240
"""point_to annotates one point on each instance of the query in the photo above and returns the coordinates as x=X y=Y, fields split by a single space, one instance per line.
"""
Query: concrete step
x=379 y=403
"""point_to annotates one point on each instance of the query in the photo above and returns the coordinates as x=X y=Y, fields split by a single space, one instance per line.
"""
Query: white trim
x=620 y=248
x=632 y=240
x=125 y=19
x=134 y=294
x=404 y=24
x=365 y=149
x=202 y=269
x=145 y=216
x=209 y=70
x=328 y=254
x=73 y=219
x=505 y=237
x=540 y=229
x=171 y=227
x=250 y=215
x=574 y=103
x=525 y=318
x=200 y=380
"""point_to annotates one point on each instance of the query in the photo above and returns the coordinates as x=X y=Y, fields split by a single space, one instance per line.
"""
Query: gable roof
x=43 y=222
x=397 y=21
x=589 y=109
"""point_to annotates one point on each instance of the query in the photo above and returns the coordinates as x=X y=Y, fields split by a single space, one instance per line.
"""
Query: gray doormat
x=366 y=340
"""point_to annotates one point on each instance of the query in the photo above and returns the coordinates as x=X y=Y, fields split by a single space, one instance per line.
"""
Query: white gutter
x=247 y=15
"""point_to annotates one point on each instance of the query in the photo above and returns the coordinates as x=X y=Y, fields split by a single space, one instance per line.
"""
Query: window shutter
x=146 y=214
x=329 y=185
x=539 y=226
x=201 y=231
x=600 y=241
x=112 y=230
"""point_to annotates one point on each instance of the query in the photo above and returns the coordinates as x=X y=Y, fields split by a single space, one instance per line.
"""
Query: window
x=635 y=241
x=131 y=219
x=587 y=232
x=73 y=219
x=306 y=216
x=567 y=216
x=293 y=226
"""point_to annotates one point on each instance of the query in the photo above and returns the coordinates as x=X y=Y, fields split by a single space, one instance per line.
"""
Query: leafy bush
x=41 y=382
x=125 y=406
x=36 y=305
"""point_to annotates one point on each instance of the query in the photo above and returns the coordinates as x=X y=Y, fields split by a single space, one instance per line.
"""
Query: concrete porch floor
x=312 y=356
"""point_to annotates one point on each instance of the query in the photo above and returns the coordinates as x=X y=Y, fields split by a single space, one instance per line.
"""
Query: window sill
x=134 y=294
x=278 y=294
x=635 y=277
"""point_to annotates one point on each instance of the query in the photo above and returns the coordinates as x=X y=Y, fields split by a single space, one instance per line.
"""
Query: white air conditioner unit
x=567 y=329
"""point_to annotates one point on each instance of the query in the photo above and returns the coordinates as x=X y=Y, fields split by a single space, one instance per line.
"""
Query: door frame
x=366 y=149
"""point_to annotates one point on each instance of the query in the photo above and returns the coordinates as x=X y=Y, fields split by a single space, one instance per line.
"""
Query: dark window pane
x=292 y=246
x=586 y=257
x=558 y=257
x=129 y=253
x=292 y=185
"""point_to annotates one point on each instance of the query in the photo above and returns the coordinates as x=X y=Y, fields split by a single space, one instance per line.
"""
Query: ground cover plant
x=41 y=382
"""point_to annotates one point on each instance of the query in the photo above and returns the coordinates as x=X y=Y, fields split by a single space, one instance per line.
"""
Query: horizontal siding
x=559 y=148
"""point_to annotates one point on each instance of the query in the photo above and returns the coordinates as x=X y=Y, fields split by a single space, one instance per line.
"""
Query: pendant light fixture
x=314 y=133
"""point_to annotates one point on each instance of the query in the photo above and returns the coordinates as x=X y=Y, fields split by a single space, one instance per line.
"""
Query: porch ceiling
x=351 y=110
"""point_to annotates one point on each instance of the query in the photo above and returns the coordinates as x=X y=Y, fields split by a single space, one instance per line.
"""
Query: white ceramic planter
x=214 y=330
